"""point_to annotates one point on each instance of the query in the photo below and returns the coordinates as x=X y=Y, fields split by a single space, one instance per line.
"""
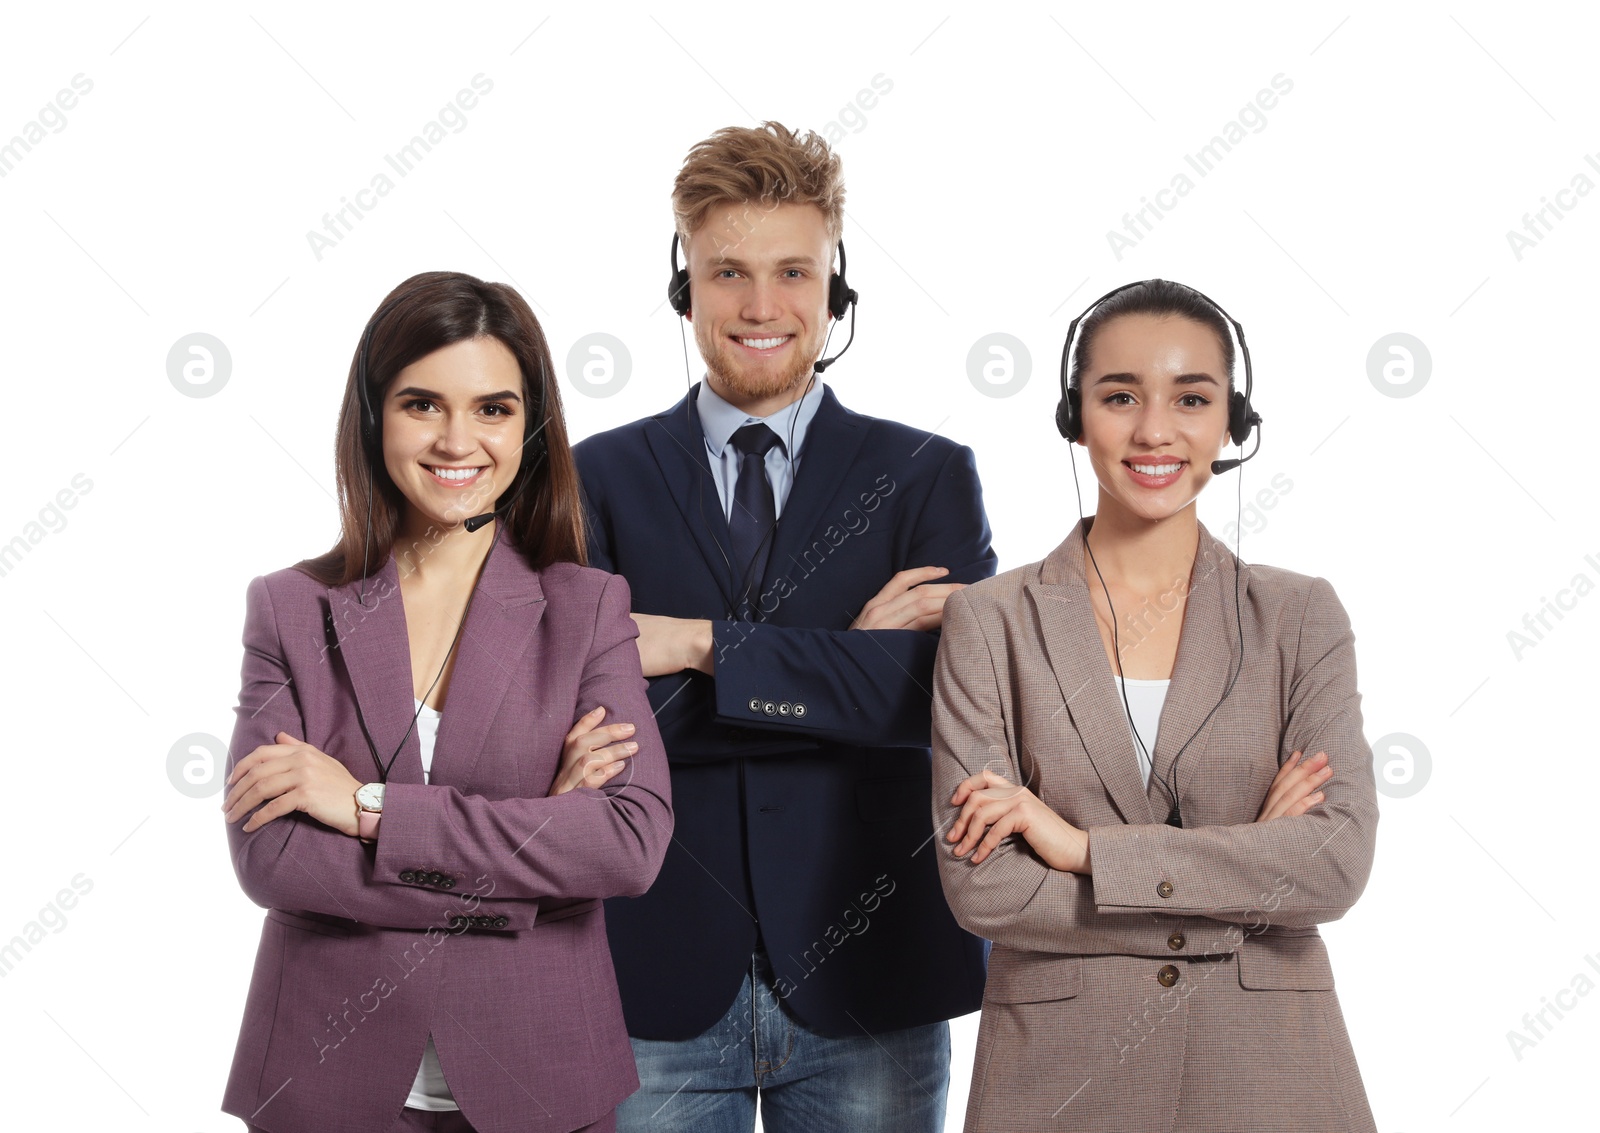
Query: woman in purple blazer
x=422 y=794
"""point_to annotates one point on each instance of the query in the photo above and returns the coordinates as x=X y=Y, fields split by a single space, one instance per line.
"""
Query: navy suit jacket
x=801 y=768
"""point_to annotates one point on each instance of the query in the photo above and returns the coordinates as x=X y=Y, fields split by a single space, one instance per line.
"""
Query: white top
x=1145 y=699
x=429 y=1090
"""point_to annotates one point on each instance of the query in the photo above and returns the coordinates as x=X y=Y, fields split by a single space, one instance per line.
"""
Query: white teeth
x=455 y=473
x=764 y=343
x=1156 y=469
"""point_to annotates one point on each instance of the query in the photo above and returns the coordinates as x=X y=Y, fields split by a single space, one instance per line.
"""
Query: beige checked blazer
x=1182 y=986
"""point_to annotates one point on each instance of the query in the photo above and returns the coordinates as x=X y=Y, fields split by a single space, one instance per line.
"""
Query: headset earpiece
x=678 y=289
x=840 y=294
x=1069 y=413
x=1241 y=418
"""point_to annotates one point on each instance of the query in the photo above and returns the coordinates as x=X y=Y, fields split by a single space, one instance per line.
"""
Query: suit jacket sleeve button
x=407 y=876
x=434 y=877
x=1164 y=889
x=755 y=704
x=448 y=883
x=785 y=708
x=1167 y=976
x=799 y=711
x=1175 y=941
x=770 y=708
x=501 y=921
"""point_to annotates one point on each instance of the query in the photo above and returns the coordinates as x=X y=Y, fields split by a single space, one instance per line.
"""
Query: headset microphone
x=1218 y=467
x=526 y=477
x=822 y=364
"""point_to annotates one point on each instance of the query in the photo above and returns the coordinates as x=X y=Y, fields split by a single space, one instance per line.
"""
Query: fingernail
x=631 y=746
x=627 y=729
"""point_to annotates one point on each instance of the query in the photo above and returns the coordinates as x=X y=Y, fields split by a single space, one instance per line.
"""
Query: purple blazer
x=477 y=915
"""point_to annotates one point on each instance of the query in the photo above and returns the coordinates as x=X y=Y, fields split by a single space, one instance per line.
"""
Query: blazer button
x=435 y=877
x=458 y=921
x=448 y=883
x=799 y=711
x=770 y=708
x=755 y=704
x=1167 y=976
x=407 y=876
x=501 y=921
x=1175 y=941
x=1164 y=889
x=785 y=708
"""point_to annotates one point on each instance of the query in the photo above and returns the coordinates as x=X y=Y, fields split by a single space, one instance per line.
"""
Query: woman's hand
x=993 y=801
x=591 y=755
x=1294 y=787
x=293 y=776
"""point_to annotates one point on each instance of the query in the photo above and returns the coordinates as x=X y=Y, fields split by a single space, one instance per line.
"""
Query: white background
x=1376 y=199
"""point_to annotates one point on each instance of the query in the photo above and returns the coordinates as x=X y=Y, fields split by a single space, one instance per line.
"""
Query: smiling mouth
x=454 y=476
x=770 y=342
x=1165 y=469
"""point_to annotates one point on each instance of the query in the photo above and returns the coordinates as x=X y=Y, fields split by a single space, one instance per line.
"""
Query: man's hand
x=904 y=604
x=671 y=645
x=293 y=776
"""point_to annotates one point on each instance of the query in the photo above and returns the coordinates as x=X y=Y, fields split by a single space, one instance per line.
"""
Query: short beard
x=761 y=388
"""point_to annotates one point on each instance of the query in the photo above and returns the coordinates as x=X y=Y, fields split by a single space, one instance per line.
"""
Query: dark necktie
x=754 y=512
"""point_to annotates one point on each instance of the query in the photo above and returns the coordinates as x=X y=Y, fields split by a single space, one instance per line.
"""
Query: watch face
x=370 y=796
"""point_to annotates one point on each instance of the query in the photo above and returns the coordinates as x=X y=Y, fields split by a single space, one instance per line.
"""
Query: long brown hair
x=423 y=314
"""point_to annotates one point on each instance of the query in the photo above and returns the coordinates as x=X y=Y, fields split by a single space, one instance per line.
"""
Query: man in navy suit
x=783 y=554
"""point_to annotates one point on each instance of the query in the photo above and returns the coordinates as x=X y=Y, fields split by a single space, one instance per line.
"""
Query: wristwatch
x=369 y=808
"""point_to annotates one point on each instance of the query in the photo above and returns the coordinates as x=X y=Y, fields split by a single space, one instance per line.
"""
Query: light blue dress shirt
x=719 y=421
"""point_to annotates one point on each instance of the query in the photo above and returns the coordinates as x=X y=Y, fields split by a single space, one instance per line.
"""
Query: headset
x=535 y=449
x=842 y=298
x=533 y=443
x=1242 y=418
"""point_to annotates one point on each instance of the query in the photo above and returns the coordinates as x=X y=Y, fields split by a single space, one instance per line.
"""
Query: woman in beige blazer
x=1156 y=962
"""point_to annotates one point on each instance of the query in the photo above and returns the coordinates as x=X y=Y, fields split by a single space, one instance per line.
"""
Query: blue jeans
x=894 y=1082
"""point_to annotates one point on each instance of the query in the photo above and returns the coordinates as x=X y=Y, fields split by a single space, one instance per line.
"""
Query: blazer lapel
x=370 y=637
x=832 y=440
x=1072 y=644
x=1207 y=656
x=373 y=640
x=679 y=447
x=1205 y=659
x=505 y=611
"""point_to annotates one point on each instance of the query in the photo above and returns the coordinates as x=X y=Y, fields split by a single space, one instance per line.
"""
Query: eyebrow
x=418 y=391
x=1133 y=379
x=786 y=262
